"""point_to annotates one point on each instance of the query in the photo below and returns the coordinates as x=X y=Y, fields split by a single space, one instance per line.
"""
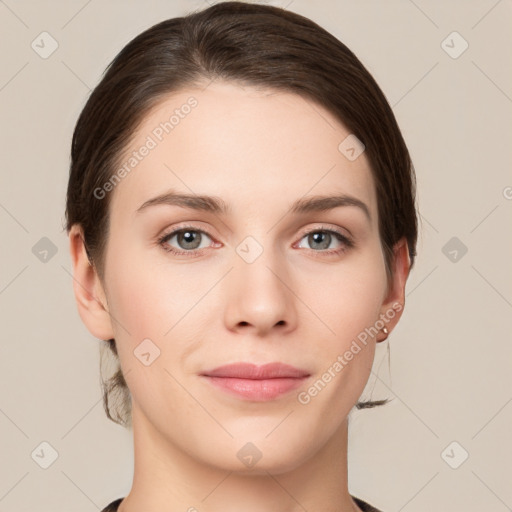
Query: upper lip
x=251 y=371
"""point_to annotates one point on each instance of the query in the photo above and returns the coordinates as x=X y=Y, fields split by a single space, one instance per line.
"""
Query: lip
x=257 y=383
x=252 y=371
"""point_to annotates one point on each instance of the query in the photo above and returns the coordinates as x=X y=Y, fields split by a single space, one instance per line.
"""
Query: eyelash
x=346 y=241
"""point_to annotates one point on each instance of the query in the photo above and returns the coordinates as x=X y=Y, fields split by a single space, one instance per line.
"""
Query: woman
x=242 y=223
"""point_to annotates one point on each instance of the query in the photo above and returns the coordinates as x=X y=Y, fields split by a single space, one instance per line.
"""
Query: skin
x=259 y=151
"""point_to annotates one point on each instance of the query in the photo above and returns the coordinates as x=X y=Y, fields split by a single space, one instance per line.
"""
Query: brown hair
x=251 y=44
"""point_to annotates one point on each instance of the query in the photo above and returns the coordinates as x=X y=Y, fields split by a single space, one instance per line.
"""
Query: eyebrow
x=216 y=205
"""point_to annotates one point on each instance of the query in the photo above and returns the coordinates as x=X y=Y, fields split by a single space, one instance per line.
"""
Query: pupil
x=188 y=238
x=319 y=236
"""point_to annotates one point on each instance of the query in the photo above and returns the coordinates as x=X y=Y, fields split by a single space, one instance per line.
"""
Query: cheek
x=348 y=296
x=154 y=298
x=148 y=296
x=349 y=305
x=347 y=301
x=139 y=302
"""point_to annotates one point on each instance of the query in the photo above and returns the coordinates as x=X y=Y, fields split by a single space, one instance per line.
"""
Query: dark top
x=365 y=507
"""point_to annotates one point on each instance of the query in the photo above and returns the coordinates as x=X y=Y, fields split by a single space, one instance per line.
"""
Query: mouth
x=257 y=383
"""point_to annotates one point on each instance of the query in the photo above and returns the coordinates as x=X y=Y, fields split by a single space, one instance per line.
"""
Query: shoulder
x=364 y=506
x=113 y=506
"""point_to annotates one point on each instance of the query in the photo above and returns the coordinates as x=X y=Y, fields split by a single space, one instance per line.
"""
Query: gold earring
x=386 y=332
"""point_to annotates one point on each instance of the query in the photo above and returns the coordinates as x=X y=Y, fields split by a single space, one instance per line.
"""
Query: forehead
x=242 y=144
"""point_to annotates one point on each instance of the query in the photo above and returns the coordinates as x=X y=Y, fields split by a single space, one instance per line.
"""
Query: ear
x=395 y=297
x=89 y=294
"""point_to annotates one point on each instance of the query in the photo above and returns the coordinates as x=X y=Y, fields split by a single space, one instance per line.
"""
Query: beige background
x=451 y=354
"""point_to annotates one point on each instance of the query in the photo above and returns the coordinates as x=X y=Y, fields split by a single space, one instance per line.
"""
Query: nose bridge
x=258 y=265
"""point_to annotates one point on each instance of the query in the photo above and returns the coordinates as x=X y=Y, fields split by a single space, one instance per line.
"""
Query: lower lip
x=261 y=390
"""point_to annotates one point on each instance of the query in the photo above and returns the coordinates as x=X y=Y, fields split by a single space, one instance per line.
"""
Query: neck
x=166 y=479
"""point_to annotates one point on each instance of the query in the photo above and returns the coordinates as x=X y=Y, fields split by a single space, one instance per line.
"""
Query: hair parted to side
x=252 y=45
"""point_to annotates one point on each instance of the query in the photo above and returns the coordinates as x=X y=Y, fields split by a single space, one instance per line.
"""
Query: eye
x=321 y=239
x=189 y=240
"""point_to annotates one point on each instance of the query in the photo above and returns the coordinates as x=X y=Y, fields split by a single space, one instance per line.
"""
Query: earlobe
x=394 y=302
x=88 y=289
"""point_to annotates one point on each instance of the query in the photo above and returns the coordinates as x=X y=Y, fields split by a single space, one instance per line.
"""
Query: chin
x=259 y=456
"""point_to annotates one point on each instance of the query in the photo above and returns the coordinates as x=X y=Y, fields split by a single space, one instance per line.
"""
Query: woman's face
x=256 y=283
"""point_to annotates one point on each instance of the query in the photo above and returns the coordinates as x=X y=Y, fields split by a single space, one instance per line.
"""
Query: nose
x=259 y=296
